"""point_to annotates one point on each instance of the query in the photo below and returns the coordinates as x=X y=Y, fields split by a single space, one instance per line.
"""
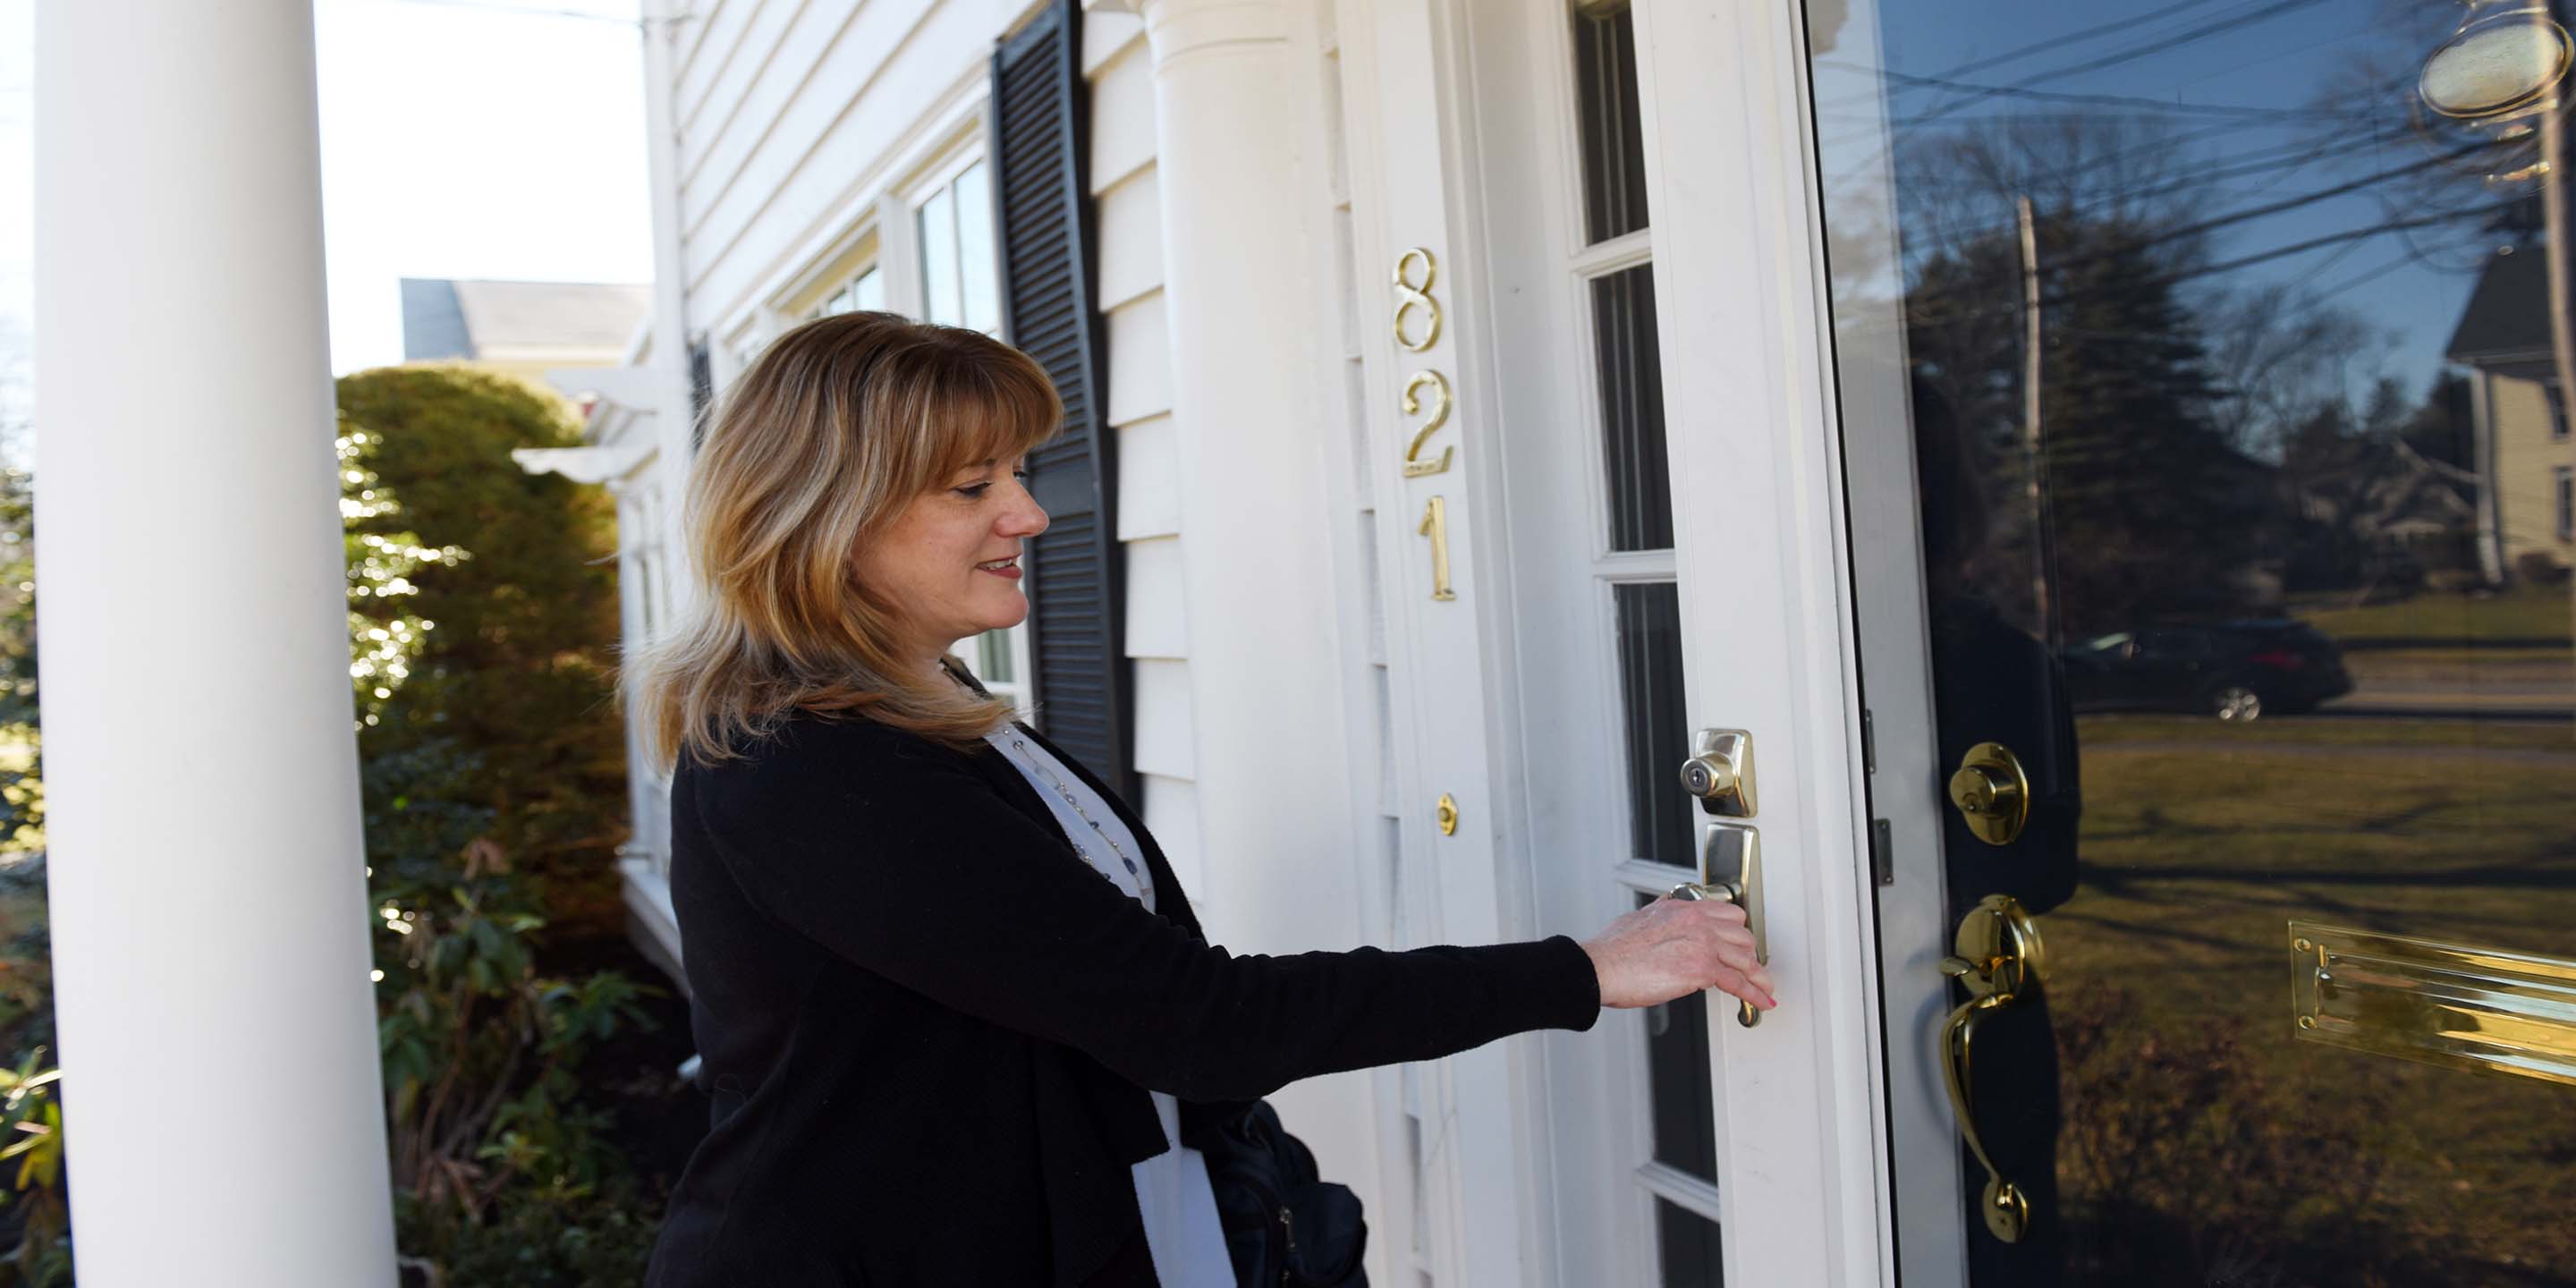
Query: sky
x=460 y=138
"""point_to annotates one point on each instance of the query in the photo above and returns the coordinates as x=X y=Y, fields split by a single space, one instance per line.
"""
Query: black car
x=2234 y=670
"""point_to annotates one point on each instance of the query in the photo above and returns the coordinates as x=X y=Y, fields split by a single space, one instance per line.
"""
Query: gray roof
x=2508 y=314
x=433 y=324
x=468 y=318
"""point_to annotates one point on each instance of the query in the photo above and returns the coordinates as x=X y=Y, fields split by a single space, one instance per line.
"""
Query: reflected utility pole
x=2034 y=453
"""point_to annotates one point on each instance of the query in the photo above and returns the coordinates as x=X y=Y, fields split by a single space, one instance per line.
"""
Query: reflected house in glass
x=2519 y=420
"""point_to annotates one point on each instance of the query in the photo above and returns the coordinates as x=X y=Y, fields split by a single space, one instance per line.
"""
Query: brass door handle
x=1720 y=772
x=1992 y=793
x=1999 y=955
x=1730 y=868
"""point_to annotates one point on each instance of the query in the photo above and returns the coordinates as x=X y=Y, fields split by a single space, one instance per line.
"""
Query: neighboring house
x=2525 y=463
x=522 y=329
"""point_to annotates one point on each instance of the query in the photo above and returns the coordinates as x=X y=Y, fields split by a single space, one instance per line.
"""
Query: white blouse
x=1172 y=1190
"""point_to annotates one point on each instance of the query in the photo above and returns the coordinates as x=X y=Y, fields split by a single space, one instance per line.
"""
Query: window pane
x=983 y=307
x=939 y=258
x=1650 y=697
x=1690 y=1247
x=1677 y=1080
x=1632 y=410
x=867 y=293
x=1614 y=149
x=993 y=658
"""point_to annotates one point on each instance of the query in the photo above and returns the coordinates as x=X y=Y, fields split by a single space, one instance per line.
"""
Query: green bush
x=492 y=776
x=483 y=616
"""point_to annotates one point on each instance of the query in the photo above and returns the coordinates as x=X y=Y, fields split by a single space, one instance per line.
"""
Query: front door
x=2198 y=375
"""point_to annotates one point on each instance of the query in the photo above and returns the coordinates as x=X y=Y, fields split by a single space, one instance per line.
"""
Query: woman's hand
x=1676 y=946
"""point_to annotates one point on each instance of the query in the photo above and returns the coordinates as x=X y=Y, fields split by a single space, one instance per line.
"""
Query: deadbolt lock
x=1720 y=772
x=1992 y=793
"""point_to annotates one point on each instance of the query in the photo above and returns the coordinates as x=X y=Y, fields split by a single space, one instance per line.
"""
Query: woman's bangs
x=995 y=416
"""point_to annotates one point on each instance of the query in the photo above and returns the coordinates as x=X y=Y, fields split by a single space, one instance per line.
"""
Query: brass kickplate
x=2482 y=1009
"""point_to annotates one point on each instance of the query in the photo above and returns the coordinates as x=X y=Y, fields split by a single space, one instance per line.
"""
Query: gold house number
x=1411 y=295
x=1417 y=310
x=1435 y=525
x=1414 y=466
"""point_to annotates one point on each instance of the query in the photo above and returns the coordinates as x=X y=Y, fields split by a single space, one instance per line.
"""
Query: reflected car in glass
x=2234 y=670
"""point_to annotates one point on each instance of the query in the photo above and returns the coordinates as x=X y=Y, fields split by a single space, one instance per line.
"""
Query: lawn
x=2535 y=613
x=2194 y=1118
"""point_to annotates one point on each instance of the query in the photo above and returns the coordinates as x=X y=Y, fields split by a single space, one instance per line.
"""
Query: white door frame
x=1484 y=1154
x=1764 y=588
x=1766 y=612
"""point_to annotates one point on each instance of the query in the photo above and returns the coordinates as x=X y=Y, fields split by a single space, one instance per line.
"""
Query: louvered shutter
x=702 y=392
x=1042 y=209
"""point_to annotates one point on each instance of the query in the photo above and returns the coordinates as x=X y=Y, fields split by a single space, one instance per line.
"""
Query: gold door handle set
x=1720 y=774
x=1998 y=958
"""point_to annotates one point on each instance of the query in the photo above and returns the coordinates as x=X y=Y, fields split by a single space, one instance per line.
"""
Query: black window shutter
x=1040 y=123
x=702 y=391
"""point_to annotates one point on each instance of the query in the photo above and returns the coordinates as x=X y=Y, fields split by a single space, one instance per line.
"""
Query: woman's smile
x=1002 y=567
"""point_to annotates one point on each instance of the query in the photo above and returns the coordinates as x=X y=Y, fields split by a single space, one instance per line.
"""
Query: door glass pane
x=1677 y=1074
x=939 y=286
x=982 y=308
x=868 y=293
x=1650 y=699
x=1689 y=1244
x=1635 y=472
x=1614 y=148
x=2226 y=341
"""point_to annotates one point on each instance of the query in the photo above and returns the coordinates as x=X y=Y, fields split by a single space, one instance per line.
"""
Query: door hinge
x=1882 y=853
x=1868 y=742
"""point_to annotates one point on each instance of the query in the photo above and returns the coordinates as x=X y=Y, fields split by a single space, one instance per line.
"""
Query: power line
x=2112 y=100
x=2127 y=55
x=2061 y=42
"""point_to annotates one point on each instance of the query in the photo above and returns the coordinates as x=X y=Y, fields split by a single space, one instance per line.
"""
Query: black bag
x=1284 y=1224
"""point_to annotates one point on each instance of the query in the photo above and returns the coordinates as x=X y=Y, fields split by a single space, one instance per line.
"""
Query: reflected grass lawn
x=2190 y=1106
x=2524 y=612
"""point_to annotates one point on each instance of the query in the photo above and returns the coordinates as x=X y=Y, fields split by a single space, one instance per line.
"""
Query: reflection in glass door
x=2221 y=350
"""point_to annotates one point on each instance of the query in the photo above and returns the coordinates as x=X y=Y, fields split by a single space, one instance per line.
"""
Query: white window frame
x=964 y=154
x=964 y=151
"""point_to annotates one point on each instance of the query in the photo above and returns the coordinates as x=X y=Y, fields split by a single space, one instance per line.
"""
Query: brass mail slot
x=2481 y=1009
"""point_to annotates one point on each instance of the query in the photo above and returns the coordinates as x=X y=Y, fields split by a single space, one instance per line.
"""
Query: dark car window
x=2173 y=645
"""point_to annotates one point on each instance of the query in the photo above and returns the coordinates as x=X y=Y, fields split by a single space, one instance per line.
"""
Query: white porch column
x=1265 y=657
x=1277 y=819
x=208 y=898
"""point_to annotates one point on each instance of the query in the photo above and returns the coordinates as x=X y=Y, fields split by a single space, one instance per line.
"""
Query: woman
x=957 y=1020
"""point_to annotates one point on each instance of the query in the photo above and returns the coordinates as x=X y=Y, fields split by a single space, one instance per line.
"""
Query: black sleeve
x=901 y=860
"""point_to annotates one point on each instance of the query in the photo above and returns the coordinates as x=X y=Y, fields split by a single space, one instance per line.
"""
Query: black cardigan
x=928 y=1025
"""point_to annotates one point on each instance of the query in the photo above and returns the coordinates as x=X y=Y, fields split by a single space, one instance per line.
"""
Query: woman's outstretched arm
x=900 y=860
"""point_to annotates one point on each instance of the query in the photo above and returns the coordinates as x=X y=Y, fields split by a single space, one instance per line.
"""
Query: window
x=2557 y=411
x=2566 y=503
x=959 y=280
x=864 y=293
x=960 y=286
x=1001 y=660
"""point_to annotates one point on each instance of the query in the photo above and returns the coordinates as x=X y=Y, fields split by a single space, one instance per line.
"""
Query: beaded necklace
x=1144 y=878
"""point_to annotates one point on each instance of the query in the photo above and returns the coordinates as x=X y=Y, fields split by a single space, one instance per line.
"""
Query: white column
x=1265 y=654
x=209 y=907
x=1277 y=819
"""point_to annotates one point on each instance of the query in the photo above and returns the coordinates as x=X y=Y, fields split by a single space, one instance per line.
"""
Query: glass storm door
x=2199 y=370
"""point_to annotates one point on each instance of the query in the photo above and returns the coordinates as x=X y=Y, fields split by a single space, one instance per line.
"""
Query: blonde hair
x=815 y=450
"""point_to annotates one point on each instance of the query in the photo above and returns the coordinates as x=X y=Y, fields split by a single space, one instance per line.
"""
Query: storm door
x=2200 y=369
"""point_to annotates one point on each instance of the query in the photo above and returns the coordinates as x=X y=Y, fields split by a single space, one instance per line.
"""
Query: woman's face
x=950 y=564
